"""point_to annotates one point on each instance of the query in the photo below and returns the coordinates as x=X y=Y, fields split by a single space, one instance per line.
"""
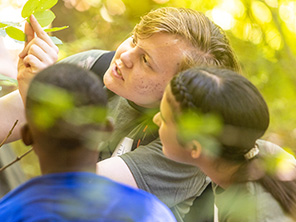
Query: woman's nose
x=126 y=58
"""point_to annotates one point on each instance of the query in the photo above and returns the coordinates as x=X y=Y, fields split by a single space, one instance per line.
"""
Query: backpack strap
x=102 y=64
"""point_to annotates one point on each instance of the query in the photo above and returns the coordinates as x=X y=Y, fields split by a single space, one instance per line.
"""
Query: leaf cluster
x=41 y=10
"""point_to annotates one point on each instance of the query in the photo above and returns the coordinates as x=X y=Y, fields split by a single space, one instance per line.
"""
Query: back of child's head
x=65 y=105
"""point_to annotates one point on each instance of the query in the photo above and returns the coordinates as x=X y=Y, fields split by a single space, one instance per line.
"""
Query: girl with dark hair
x=212 y=118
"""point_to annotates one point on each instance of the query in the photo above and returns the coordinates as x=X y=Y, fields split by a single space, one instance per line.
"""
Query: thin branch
x=9 y=133
x=16 y=160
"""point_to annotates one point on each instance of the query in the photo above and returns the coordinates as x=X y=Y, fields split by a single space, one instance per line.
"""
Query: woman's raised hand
x=39 y=52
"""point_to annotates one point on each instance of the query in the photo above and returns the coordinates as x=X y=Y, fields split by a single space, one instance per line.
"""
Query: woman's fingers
x=39 y=52
x=30 y=30
x=29 y=33
x=44 y=57
x=42 y=50
x=41 y=33
x=29 y=37
x=35 y=64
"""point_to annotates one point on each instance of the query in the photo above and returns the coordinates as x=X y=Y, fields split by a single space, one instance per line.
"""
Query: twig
x=9 y=133
x=16 y=160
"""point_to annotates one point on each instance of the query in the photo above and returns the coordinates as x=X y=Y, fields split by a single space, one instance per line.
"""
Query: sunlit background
x=263 y=34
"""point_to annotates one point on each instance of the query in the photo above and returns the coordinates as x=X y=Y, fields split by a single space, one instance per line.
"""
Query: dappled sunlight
x=287 y=165
x=282 y=165
x=222 y=18
x=252 y=33
x=105 y=15
x=272 y=3
x=235 y=7
x=81 y=5
x=288 y=14
x=161 y=1
x=261 y=12
x=273 y=39
x=115 y=7
x=225 y=13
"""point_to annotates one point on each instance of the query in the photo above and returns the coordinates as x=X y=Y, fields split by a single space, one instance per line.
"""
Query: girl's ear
x=26 y=135
x=195 y=148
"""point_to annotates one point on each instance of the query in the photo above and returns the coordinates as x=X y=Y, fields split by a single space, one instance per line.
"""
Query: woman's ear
x=195 y=148
x=26 y=135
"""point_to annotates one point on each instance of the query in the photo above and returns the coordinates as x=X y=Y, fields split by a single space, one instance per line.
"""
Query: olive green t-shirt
x=248 y=202
x=175 y=184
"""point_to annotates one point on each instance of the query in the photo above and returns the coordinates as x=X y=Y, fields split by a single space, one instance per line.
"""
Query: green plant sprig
x=41 y=10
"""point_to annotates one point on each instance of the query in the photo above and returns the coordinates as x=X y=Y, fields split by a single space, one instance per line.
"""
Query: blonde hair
x=210 y=45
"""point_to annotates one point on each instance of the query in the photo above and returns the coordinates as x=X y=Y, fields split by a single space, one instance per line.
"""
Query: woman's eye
x=134 y=41
x=146 y=61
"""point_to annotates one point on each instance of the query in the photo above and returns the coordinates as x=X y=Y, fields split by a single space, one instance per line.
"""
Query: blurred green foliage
x=262 y=34
x=204 y=128
x=53 y=104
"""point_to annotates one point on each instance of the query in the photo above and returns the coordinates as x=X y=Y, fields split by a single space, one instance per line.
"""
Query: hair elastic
x=252 y=153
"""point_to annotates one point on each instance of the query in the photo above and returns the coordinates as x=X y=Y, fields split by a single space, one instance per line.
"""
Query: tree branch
x=16 y=160
x=9 y=133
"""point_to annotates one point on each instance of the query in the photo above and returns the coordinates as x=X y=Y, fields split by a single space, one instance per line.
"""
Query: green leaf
x=46 y=4
x=55 y=29
x=44 y=17
x=7 y=83
x=30 y=7
x=5 y=24
x=15 y=33
x=56 y=40
x=2 y=25
x=8 y=79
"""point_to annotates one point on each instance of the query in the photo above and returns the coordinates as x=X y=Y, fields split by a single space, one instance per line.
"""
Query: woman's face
x=141 y=68
x=168 y=130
